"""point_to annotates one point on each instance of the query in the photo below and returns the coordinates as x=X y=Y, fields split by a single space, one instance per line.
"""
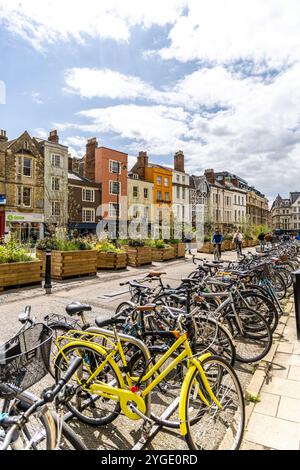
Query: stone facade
x=257 y=208
x=140 y=198
x=22 y=167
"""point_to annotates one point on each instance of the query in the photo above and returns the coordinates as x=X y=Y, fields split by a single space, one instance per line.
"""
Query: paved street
x=104 y=294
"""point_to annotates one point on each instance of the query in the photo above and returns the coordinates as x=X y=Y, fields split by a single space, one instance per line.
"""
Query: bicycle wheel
x=252 y=335
x=87 y=407
x=209 y=427
x=261 y=304
x=165 y=396
x=215 y=337
x=279 y=285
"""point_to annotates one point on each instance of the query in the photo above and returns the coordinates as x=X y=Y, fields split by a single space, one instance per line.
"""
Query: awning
x=83 y=225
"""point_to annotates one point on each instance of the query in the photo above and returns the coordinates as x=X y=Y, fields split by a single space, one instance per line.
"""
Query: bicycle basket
x=24 y=360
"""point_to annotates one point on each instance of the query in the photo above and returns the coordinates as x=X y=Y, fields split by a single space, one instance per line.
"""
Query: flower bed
x=110 y=257
x=18 y=267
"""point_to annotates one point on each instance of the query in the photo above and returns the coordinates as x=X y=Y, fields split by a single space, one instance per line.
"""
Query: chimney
x=3 y=137
x=179 y=161
x=90 y=159
x=53 y=137
x=210 y=175
x=70 y=163
x=142 y=163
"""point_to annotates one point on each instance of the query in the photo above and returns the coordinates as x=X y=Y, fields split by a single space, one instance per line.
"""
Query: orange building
x=161 y=177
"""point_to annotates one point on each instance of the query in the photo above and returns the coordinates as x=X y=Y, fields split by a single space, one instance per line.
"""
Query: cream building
x=139 y=199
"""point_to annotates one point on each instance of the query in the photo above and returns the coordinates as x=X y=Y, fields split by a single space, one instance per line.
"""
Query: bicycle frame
x=128 y=392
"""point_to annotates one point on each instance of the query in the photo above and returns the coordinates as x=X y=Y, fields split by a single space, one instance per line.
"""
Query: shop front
x=26 y=228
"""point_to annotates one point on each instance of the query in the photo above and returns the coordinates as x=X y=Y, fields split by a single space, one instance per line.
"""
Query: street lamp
x=123 y=167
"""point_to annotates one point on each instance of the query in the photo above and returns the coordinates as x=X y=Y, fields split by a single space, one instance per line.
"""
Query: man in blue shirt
x=217 y=239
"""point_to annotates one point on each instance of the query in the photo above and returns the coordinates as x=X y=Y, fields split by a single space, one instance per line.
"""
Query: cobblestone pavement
x=104 y=294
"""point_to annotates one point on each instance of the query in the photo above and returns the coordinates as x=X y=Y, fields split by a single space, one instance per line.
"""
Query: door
x=2 y=224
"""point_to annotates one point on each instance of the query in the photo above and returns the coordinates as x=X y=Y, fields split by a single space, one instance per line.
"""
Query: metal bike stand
x=296 y=282
x=157 y=427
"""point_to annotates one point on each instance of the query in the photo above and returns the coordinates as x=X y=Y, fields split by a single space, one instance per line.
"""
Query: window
x=135 y=191
x=146 y=193
x=55 y=208
x=27 y=197
x=25 y=145
x=167 y=197
x=19 y=166
x=114 y=187
x=178 y=192
x=158 y=180
x=88 y=195
x=146 y=213
x=166 y=182
x=159 y=195
x=235 y=200
x=114 y=209
x=177 y=178
x=88 y=215
x=114 y=166
x=183 y=193
x=55 y=160
x=183 y=179
x=19 y=196
x=27 y=167
x=55 y=183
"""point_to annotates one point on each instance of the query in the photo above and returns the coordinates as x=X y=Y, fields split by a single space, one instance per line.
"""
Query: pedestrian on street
x=238 y=240
x=262 y=242
x=268 y=240
x=188 y=240
x=216 y=240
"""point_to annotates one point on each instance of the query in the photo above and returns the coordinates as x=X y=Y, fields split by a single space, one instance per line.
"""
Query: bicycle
x=217 y=251
x=210 y=396
x=26 y=422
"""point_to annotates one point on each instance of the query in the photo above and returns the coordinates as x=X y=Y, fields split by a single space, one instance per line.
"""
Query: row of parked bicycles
x=166 y=358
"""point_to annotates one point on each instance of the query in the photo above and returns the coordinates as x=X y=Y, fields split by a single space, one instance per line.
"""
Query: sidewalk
x=275 y=421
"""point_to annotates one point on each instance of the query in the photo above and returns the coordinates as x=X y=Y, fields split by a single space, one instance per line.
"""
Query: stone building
x=285 y=213
x=56 y=181
x=22 y=187
x=257 y=207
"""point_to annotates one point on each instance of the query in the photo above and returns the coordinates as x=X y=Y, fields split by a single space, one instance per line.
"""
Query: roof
x=156 y=165
x=294 y=196
x=72 y=175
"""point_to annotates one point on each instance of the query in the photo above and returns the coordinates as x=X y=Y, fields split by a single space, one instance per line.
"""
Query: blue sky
x=217 y=79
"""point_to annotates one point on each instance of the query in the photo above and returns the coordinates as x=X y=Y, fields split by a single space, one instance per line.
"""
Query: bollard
x=48 y=285
x=296 y=279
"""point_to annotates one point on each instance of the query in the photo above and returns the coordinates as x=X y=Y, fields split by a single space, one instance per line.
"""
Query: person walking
x=238 y=240
x=188 y=240
x=268 y=240
x=262 y=242
x=216 y=240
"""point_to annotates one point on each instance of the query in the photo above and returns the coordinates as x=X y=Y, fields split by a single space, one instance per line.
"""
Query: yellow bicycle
x=210 y=402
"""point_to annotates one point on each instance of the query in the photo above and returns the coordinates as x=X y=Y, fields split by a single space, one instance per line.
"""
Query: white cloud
x=46 y=22
x=91 y=83
x=36 y=96
x=255 y=134
x=41 y=133
x=223 y=31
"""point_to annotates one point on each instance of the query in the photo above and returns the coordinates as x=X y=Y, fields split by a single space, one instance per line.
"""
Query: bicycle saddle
x=137 y=285
x=101 y=321
x=155 y=274
x=76 y=307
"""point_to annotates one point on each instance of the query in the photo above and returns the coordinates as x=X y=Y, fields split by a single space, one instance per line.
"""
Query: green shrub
x=59 y=244
x=107 y=247
x=13 y=253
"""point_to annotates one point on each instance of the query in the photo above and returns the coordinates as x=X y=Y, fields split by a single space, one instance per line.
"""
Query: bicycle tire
x=84 y=401
x=206 y=417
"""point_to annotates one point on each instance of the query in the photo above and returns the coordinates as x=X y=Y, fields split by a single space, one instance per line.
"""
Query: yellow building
x=161 y=178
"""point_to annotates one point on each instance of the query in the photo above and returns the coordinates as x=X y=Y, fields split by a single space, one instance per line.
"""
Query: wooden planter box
x=206 y=248
x=226 y=245
x=112 y=260
x=179 y=249
x=20 y=274
x=66 y=264
x=163 y=254
x=138 y=256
